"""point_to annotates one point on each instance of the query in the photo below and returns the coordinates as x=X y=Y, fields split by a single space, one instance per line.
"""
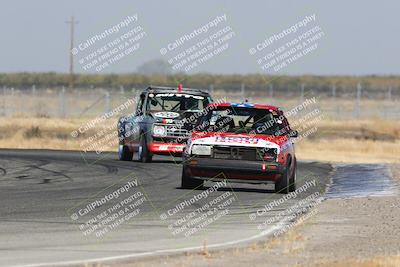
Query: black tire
x=282 y=186
x=292 y=180
x=124 y=153
x=144 y=154
x=188 y=182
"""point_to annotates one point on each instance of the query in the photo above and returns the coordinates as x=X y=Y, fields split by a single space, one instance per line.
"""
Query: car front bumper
x=166 y=148
x=255 y=171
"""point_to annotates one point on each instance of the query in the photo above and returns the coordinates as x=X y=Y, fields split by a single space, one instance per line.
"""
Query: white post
x=302 y=93
x=62 y=102
x=334 y=100
x=107 y=102
x=271 y=91
x=334 y=92
x=389 y=96
x=358 y=100
x=242 y=89
x=4 y=101
x=122 y=93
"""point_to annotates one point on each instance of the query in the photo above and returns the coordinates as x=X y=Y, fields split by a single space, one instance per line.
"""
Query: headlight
x=201 y=150
x=159 y=131
x=128 y=127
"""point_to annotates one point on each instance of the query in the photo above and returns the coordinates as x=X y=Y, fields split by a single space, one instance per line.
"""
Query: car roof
x=174 y=90
x=244 y=105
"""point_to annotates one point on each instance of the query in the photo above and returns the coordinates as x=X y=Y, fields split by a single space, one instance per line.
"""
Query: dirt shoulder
x=357 y=232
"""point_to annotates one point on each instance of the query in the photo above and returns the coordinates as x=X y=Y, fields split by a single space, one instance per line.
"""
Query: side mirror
x=294 y=133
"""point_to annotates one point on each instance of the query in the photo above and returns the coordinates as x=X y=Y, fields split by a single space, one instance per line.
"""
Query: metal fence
x=62 y=103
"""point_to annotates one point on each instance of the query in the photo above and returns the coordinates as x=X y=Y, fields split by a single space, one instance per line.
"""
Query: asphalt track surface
x=44 y=219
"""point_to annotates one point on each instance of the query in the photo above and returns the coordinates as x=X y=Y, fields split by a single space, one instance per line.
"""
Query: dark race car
x=241 y=142
x=162 y=122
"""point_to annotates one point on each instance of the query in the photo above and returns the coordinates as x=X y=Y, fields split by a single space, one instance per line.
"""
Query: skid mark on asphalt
x=3 y=171
x=38 y=172
x=55 y=173
x=109 y=168
x=361 y=180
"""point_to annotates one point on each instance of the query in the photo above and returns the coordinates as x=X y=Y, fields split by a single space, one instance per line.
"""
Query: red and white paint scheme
x=241 y=143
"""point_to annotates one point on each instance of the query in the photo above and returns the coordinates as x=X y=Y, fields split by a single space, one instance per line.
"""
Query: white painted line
x=162 y=251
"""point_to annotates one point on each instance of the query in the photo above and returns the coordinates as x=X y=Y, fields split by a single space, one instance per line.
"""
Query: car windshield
x=242 y=120
x=176 y=102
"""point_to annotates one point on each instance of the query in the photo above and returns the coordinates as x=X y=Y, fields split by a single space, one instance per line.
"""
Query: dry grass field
x=366 y=141
x=360 y=141
x=378 y=261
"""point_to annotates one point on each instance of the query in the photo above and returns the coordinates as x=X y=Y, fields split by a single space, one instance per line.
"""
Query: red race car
x=241 y=142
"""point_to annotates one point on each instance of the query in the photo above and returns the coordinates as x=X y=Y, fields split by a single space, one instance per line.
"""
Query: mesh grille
x=243 y=153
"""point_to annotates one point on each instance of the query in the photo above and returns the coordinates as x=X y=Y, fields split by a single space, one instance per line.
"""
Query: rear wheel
x=144 y=154
x=124 y=153
x=188 y=182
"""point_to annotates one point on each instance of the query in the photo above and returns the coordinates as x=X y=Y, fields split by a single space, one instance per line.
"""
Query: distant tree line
x=252 y=82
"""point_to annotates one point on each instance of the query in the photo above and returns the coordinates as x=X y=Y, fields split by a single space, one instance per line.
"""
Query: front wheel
x=282 y=186
x=292 y=180
x=144 y=154
x=124 y=153
x=188 y=182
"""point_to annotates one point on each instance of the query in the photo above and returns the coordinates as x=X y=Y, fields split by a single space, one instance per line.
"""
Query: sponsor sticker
x=234 y=139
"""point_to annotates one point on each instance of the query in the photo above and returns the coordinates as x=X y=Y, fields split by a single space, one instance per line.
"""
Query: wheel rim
x=140 y=151
x=120 y=148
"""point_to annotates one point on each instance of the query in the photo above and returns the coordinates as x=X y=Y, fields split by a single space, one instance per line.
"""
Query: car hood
x=231 y=139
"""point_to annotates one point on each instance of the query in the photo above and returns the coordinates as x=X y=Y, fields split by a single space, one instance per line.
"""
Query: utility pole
x=72 y=23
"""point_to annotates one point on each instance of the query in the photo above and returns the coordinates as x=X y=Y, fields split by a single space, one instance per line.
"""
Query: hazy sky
x=360 y=37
